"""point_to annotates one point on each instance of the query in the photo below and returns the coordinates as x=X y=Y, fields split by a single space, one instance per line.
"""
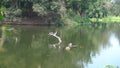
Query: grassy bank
x=76 y=20
x=109 y=19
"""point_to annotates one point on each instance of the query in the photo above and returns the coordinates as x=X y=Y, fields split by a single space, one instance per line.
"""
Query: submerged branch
x=55 y=35
x=69 y=47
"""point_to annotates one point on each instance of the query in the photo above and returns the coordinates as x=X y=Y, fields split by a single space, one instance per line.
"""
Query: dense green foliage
x=115 y=10
x=1 y=15
x=59 y=10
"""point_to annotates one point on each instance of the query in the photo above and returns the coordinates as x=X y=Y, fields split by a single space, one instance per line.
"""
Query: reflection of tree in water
x=3 y=35
x=27 y=52
x=116 y=29
x=31 y=50
x=89 y=39
x=2 y=38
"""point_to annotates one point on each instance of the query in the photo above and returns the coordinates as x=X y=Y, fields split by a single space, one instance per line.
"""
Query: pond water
x=31 y=47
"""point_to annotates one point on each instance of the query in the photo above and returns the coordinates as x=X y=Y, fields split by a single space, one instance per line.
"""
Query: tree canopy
x=53 y=9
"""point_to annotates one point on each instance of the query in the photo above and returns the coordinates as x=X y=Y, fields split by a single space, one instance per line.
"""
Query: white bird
x=70 y=44
x=68 y=48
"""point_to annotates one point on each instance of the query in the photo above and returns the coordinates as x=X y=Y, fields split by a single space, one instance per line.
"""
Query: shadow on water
x=28 y=46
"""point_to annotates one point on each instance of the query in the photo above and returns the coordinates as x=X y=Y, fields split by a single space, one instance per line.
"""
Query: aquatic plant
x=111 y=66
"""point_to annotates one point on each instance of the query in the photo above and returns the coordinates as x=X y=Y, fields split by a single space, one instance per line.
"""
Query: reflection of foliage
x=32 y=51
x=6 y=31
x=114 y=28
x=87 y=38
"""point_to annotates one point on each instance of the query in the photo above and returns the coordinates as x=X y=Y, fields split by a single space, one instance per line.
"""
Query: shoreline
x=32 y=23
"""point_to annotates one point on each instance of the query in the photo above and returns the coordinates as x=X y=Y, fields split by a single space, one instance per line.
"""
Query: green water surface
x=29 y=47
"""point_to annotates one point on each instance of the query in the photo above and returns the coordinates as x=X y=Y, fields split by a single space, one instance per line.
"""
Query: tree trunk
x=62 y=8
